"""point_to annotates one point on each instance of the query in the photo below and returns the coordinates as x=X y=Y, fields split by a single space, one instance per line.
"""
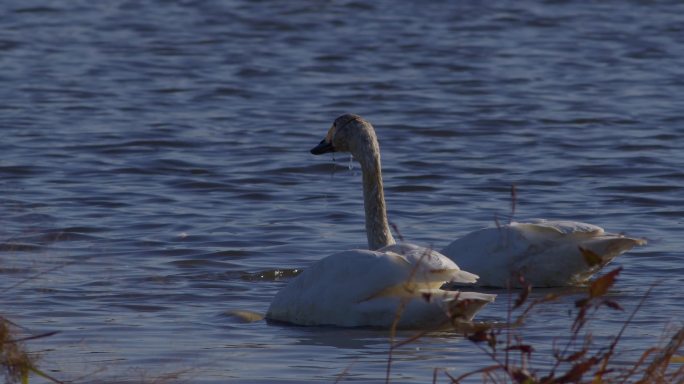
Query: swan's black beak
x=323 y=147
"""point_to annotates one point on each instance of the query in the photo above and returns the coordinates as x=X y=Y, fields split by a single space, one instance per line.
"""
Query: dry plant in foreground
x=15 y=362
x=577 y=360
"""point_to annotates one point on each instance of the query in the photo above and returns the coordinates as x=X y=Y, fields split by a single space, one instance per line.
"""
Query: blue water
x=154 y=168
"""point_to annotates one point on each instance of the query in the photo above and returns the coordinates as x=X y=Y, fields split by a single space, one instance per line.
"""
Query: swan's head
x=345 y=134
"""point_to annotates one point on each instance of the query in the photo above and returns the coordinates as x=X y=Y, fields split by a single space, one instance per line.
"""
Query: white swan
x=546 y=253
x=373 y=288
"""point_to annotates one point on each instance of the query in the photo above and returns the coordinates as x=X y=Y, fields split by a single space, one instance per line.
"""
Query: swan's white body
x=390 y=284
x=546 y=253
x=373 y=288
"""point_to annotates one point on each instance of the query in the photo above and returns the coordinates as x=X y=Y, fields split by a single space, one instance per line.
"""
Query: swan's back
x=547 y=253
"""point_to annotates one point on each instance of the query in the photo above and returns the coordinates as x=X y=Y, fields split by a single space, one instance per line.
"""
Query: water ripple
x=156 y=174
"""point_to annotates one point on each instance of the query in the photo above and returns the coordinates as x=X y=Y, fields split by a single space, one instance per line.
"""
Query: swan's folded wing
x=430 y=265
x=361 y=275
x=329 y=289
x=355 y=275
x=559 y=228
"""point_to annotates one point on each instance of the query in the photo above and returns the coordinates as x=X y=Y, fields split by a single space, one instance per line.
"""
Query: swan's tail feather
x=600 y=251
x=610 y=246
x=465 y=305
x=464 y=277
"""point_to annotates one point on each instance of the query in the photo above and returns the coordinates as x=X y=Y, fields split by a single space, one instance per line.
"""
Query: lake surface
x=155 y=170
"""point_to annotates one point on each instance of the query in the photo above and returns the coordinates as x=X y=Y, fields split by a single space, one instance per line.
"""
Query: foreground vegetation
x=576 y=357
x=16 y=363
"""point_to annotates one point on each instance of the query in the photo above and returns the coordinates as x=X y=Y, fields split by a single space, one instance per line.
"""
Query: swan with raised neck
x=351 y=133
x=548 y=253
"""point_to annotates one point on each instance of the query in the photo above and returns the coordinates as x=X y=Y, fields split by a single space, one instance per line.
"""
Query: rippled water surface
x=154 y=168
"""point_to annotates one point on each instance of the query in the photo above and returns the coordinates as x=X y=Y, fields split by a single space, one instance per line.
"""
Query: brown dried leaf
x=524 y=348
x=590 y=257
x=484 y=335
x=613 y=304
x=521 y=376
x=600 y=286
x=479 y=336
x=577 y=371
x=577 y=355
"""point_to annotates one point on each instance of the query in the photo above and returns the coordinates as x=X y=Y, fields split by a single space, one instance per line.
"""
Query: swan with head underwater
x=547 y=253
x=389 y=285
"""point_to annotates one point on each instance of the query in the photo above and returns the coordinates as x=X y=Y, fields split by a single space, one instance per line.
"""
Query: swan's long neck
x=367 y=152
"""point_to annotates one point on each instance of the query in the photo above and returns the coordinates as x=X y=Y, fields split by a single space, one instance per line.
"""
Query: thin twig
x=37 y=275
x=485 y=370
x=344 y=373
x=40 y=336
x=615 y=341
x=398 y=314
x=514 y=198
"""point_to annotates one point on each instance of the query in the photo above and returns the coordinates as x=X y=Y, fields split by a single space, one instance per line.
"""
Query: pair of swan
x=400 y=283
